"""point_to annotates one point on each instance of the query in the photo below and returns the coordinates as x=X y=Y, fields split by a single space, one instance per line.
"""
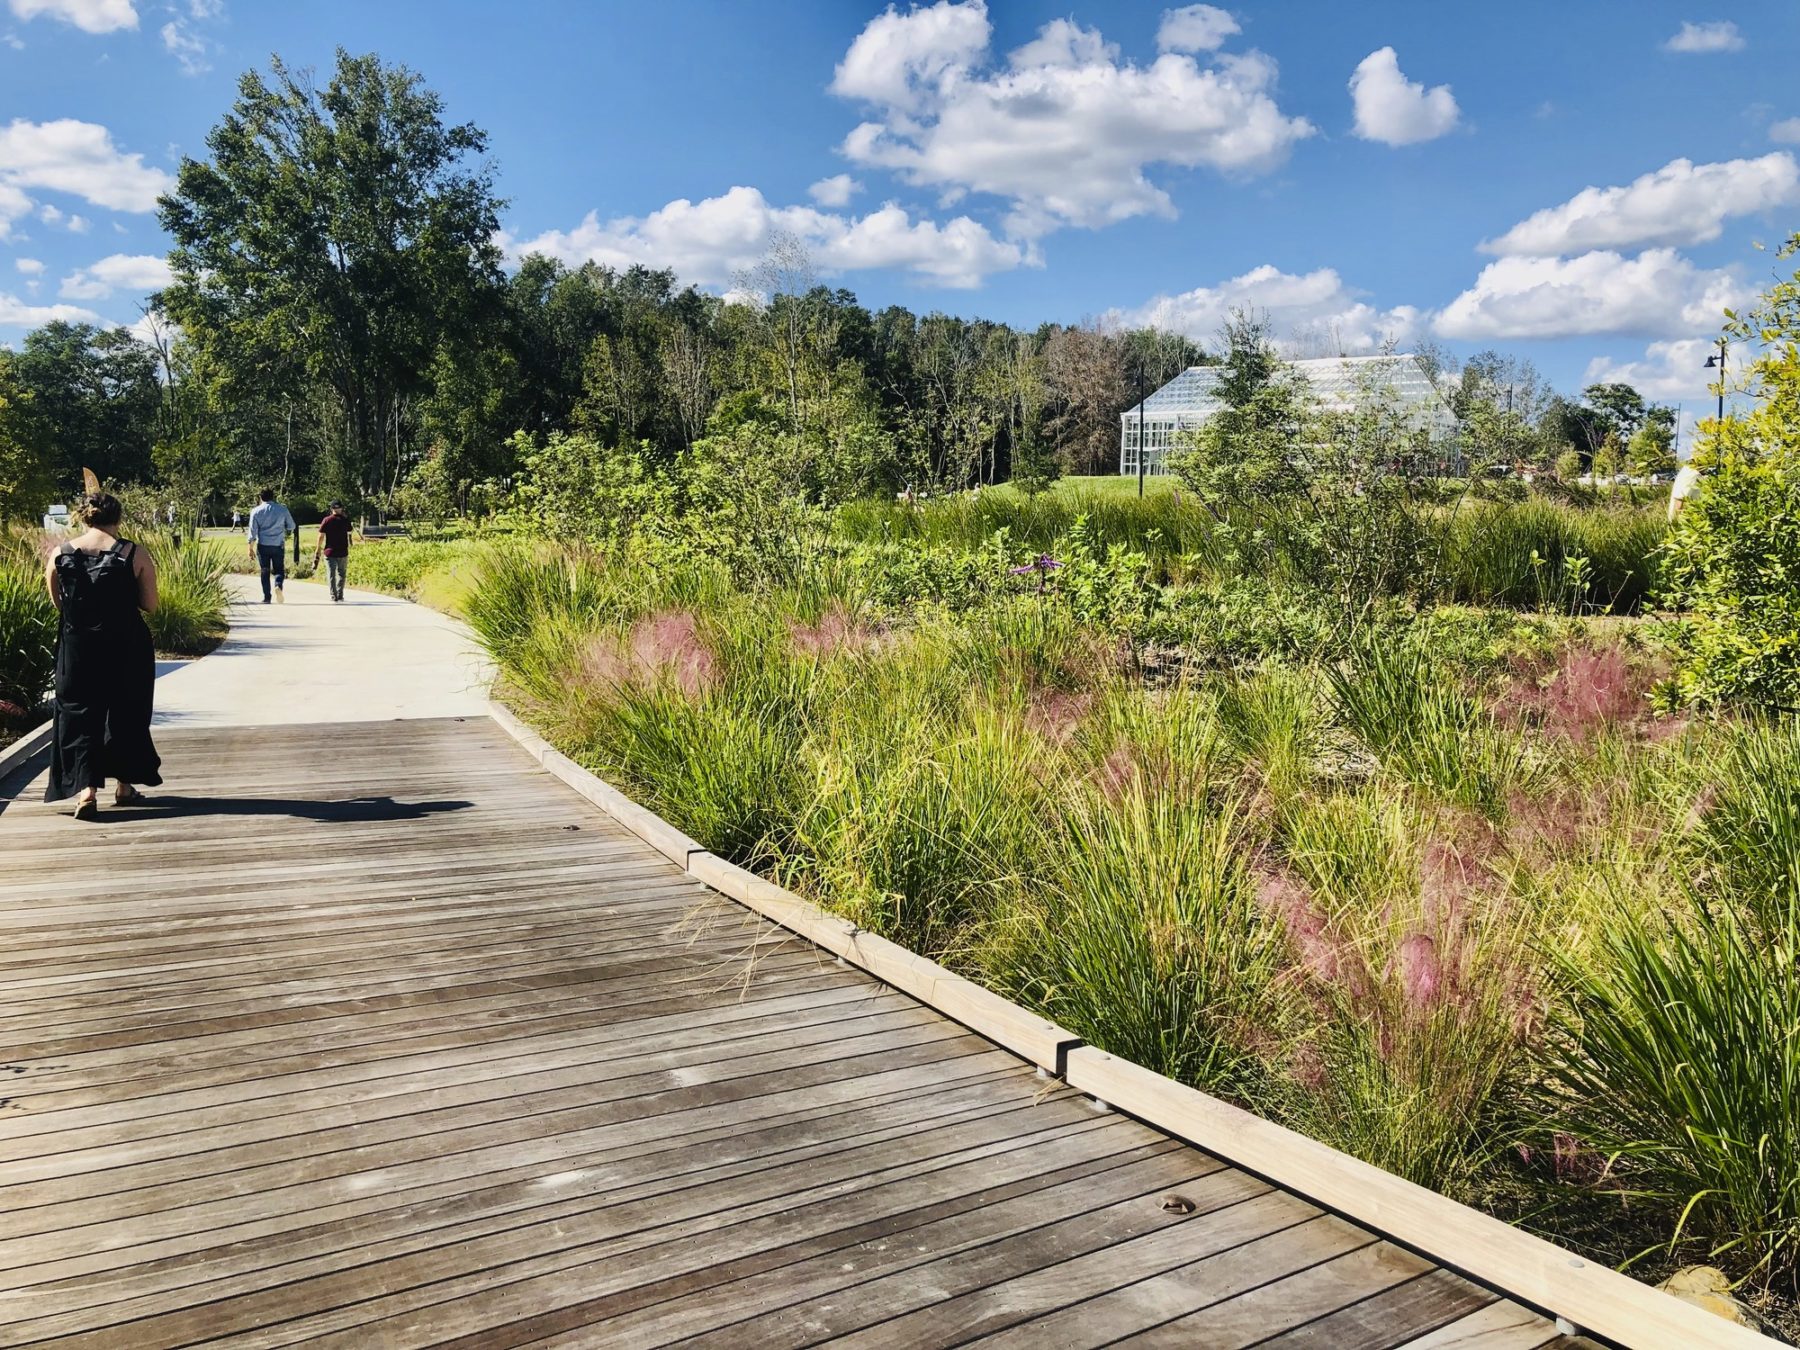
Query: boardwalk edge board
x=25 y=747
x=1593 y=1299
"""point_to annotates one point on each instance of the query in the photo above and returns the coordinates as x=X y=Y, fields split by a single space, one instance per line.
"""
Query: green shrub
x=1734 y=567
x=1734 y=555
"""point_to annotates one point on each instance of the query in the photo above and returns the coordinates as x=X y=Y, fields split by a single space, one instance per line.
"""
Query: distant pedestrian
x=270 y=526
x=1687 y=482
x=102 y=587
x=237 y=518
x=334 y=543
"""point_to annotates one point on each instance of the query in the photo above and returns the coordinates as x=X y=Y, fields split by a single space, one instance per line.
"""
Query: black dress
x=105 y=675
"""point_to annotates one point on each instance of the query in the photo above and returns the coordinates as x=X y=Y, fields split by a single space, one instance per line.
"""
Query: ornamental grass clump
x=1424 y=728
x=920 y=801
x=1140 y=931
x=1410 y=999
x=27 y=635
x=1678 y=1060
x=192 y=597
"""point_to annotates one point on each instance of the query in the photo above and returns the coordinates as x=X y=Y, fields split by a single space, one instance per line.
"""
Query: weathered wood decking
x=376 y=1035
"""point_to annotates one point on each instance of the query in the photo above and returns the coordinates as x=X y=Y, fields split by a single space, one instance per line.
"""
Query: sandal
x=87 y=808
x=125 y=794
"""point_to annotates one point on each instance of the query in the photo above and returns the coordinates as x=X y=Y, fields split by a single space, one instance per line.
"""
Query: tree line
x=341 y=323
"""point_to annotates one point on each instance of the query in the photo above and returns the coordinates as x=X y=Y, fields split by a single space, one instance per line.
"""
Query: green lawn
x=1099 y=485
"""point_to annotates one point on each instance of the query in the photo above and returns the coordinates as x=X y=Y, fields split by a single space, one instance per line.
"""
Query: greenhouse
x=1189 y=399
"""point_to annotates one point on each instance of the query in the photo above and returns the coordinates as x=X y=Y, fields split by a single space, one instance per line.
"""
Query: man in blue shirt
x=270 y=526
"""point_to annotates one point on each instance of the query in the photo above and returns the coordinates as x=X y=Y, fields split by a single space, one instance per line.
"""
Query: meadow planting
x=1430 y=881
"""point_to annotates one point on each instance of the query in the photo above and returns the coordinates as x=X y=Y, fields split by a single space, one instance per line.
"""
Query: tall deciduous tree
x=26 y=477
x=93 y=401
x=336 y=236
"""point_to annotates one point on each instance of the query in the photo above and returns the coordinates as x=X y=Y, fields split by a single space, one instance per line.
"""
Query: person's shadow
x=349 y=811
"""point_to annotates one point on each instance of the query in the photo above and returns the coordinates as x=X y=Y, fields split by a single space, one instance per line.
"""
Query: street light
x=1718 y=363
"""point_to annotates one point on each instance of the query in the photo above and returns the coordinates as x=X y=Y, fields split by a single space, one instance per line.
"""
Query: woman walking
x=105 y=662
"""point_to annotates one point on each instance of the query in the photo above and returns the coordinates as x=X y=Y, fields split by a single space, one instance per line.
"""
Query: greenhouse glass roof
x=1337 y=381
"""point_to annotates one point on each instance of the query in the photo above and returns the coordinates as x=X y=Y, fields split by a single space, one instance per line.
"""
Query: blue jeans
x=334 y=573
x=272 y=556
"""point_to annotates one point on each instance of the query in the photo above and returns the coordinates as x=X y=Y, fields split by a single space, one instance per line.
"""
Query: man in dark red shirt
x=334 y=543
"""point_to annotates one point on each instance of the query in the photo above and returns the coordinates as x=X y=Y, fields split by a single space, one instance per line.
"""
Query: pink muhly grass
x=1307 y=1067
x=1575 y=1161
x=1593 y=688
x=835 y=631
x=1704 y=801
x=659 y=645
x=1054 y=713
x=1116 y=772
x=1320 y=953
x=1421 y=975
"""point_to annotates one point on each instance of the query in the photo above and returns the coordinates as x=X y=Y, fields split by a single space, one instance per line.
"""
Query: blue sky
x=1582 y=184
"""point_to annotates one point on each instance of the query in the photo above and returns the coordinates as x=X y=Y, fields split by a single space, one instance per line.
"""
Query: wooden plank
x=1317 y=1290
x=389 y=1055
x=307 y=1115
x=640 y=1158
x=1592 y=1297
x=591 y=1188
x=782 y=984
x=850 y=1281
x=1433 y=1300
x=1499 y=1326
x=1112 y=1295
x=182 y=1183
x=431 y=1307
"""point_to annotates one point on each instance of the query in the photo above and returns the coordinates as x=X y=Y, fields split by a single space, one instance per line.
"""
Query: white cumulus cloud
x=16 y=313
x=30 y=267
x=902 y=60
x=1313 y=313
x=188 y=48
x=1670 y=372
x=1786 y=131
x=1195 y=28
x=78 y=158
x=1658 y=293
x=1693 y=38
x=1395 y=110
x=120 y=272
x=709 y=241
x=836 y=190
x=91 y=16
x=1064 y=129
x=1680 y=203
x=14 y=205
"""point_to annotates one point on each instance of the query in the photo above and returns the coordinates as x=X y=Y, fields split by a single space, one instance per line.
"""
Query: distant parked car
x=56 y=518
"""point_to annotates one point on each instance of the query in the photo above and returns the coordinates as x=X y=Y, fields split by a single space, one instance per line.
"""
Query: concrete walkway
x=372 y=658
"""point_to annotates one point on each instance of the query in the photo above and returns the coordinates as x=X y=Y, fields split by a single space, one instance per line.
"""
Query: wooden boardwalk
x=375 y=1035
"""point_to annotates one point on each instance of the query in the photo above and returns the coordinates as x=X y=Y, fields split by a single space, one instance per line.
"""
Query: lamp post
x=1718 y=363
x=1142 y=449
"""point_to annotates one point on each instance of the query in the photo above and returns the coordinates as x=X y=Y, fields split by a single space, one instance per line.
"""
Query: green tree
x=93 y=399
x=1651 y=449
x=27 y=477
x=1620 y=407
x=1733 y=558
x=335 y=236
